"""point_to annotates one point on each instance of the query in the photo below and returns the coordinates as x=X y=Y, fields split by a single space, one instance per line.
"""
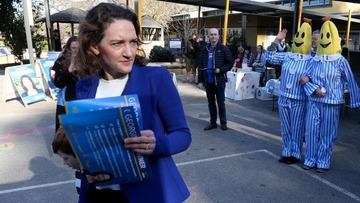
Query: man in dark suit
x=215 y=60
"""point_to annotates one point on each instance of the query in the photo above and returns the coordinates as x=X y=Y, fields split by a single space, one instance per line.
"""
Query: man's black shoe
x=224 y=127
x=211 y=126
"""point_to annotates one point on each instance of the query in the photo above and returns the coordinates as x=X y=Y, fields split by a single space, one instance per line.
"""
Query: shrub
x=160 y=54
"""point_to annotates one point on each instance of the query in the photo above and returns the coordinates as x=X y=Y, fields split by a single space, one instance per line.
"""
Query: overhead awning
x=285 y=8
x=70 y=15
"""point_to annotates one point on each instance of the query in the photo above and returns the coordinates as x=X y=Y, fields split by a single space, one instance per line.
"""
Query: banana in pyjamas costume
x=292 y=100
x=327 y=74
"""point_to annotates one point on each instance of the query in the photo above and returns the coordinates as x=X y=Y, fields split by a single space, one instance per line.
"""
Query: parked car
x=5 y=51
x=6 y=56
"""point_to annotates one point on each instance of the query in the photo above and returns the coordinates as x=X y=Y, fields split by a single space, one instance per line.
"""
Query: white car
x=6 y=56
x=4 y=51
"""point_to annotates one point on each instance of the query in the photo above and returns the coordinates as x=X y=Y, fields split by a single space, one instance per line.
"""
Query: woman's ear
x=95 y=50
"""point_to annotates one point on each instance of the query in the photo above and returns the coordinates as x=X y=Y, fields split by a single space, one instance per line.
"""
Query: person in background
x=109 y=64
x=26 y=54
x=199 y=45
x=281 y=47
x=259 y=64
x=57 y=41
x=63 y=75
x=66 y=37
x=344 y=49
x=248 y=56
x=191 y=59
x=315 y=37
x=61 y=146
x=239 y=56
x=216 y=59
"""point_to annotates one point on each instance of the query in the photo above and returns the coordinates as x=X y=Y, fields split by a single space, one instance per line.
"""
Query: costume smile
x=298 y=44
x=302 y=40
x=325 y=45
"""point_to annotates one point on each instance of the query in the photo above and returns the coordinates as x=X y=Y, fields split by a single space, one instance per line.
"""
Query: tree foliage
x=234 y=39
x=12 y=20
x=12 y=27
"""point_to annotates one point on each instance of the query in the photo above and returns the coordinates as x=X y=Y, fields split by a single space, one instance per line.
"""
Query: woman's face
x=259 y=49
x=74 y=47
x=27 y=83
x=70 y=160
x=118 y=48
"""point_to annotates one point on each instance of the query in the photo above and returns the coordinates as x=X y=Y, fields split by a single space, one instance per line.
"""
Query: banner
x=27 y=85
x=45 y=66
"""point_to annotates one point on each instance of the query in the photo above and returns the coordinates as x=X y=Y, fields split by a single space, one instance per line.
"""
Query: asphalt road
x=238 y=165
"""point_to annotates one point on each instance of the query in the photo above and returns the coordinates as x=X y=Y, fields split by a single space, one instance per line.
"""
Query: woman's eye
x=135 y=42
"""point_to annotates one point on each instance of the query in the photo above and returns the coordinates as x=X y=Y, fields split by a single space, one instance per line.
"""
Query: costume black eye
x=328 y=35
x=297 y=34
x=303 y=35
x=322 y=35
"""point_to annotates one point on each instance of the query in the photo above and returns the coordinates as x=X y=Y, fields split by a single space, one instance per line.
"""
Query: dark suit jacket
x=222 y=59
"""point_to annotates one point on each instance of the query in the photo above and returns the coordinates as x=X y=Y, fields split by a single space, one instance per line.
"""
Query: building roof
x=69 y=15
x=148 y=22
x=337 y=9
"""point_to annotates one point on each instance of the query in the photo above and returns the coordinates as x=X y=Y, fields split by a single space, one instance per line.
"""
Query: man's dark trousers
x=216 y=93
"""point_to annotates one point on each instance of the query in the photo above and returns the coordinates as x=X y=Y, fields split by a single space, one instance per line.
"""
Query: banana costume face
x=302 y=40
x=329 y=41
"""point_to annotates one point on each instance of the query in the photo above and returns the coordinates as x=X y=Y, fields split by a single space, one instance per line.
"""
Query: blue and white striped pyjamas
x=329 y=72
x=292 y=101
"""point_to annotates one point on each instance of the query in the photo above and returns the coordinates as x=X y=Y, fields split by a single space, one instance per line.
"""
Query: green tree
x=12 y=27
x=233 y=41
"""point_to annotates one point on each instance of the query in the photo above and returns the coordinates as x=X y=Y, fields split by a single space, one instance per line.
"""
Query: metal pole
x=348 y=28
x=27 y=21
x=226 y=21
x=243 y=25
x=295 y=18
x=198 y=20
x=140 y=17
x=300 y=13
x=48 y=25
x=280 y=24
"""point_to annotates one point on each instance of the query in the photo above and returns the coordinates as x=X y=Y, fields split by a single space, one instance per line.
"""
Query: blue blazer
x=162 y=112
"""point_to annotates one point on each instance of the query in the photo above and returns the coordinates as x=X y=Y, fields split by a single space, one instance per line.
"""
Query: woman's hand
x=201 y=86
x=145 y=144
x=281 y=35
x=52 y=74
x=102 y=177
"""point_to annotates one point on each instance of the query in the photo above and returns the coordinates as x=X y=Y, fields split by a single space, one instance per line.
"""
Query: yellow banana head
x=302 y=40
x=329 y=41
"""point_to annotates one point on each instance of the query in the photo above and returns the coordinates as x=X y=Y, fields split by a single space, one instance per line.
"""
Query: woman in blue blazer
x=109 y=63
